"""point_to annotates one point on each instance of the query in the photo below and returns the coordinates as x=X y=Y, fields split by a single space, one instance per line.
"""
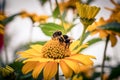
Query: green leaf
x=39 y=42
x=114 y=26
x=56 y=12
x=7 y=20
x=115 y=73
x=92 y=41
x=50 y=28
x=17 y=66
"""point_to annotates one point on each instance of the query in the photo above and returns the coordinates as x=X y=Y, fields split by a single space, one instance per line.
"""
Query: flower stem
x=104 y=57
x=59 y=12
x=82 y=37
x=50 y=1
x=57 y=74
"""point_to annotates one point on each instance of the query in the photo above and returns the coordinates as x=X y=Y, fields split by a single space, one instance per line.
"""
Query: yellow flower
x=76 y=77
x=47 y=58
x=94 y=28
x=115 y=16
x=87 y=71
x=35 y=17
x=2 y=16
x=86 y=11
x=1 y=29
x=39 y=18
x=7 y=71
x=24 y=14
x=68 y=4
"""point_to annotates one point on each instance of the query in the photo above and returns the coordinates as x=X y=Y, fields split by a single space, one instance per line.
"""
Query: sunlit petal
x=37 y=59
x=103 y=34
x=73 y=65
x=36 y=47
x=67 y=71
x=113 y=40
x=84 y=59
x=74 y=44
x=29 y=66
x=38 y=69
x=50 y=70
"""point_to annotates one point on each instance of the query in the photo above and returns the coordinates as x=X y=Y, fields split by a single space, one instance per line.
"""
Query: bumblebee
x=57 y=34
x=62 y=38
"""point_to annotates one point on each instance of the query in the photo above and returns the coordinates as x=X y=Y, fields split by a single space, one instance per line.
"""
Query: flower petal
x=84 y=59
x=74 y=44
x=103 y=34
x=29 y=66
x=50 y=70
x=77 y=50
x=37 y=59
x=38 y=69
x=73 y=65
x=113 y=40
x=29 y=53
x=36 y=47
x=67 y=71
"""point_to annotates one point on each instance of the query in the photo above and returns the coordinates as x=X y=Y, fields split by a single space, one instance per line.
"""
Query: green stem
x=104 y=57
x=82 y=36
x=81 y=39
x=50 y=6
x=57 y=74
x=59 y=13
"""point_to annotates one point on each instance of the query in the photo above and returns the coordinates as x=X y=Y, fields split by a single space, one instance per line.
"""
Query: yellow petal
x=83 y=59
x=36 y=47
x=79 y=48
x=67 y=71
x=50 y=70
x=103 y=34
x=76 y=77
x=38 y=69
x=113 y=40
x=29 y=66
x=73 y=65
x=29 y=53
x=37 y=59
x=74 y=44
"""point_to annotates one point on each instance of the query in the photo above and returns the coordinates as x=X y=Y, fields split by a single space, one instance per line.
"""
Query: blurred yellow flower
x=2 y=16
x=7 y=71
x=86 y=11
x=39 y=18
x=68 y=4
x=87 y=71
x=66 y=25
x=47 y=58
x=76 y=77
x=35 y=17
x=24 y=14
x=115 y=16
x=1 y=29
x=94 y=28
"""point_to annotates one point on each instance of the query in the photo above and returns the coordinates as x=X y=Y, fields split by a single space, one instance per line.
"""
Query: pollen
x=55 y=50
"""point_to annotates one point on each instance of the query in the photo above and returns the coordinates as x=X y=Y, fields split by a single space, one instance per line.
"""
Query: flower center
x=55 y=49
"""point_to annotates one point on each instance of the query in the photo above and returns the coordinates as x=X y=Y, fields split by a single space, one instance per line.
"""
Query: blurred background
x=18 y=31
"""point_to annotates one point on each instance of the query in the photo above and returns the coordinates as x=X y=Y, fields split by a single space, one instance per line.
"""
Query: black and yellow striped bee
x=62 y=38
